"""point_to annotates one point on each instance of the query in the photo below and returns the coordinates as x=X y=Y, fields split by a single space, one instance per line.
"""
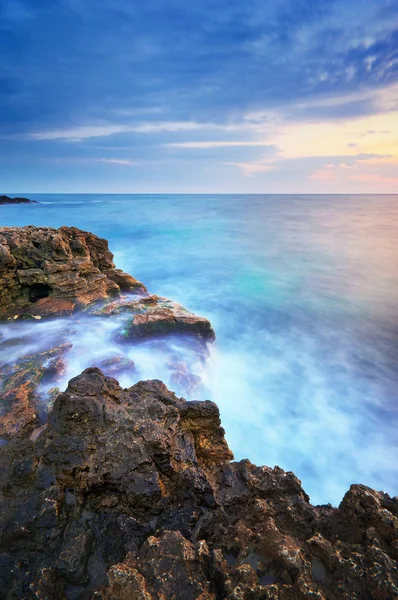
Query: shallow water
x=302 y=292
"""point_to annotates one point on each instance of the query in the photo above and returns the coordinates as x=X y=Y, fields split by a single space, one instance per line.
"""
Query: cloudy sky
x=289 y=96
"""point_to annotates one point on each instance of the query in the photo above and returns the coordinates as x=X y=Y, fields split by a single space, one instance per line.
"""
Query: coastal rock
x=48 y=272
x=132 y=494
x=17 y=200
x=20 y=401
x=116 y=365
x=156 y=316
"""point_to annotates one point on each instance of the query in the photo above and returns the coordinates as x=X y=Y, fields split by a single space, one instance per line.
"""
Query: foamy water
x=302 y=292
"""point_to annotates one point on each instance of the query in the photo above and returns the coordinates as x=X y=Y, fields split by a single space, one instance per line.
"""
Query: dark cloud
x=79 y=59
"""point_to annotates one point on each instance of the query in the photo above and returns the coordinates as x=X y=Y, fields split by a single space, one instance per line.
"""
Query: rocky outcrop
x=17 y=200
x=156 y=316
x=47 y=272
x=51 y=272
x=131 y=494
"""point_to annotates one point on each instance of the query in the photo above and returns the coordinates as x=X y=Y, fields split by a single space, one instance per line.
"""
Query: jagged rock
x=130 y=494
x=17 y=200
x=156 y=316
x=47 y=272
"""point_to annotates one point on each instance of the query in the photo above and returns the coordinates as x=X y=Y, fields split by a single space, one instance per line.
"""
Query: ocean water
x=302 y=292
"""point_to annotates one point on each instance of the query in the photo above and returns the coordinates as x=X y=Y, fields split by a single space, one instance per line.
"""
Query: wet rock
x=59 y=269
x=131 y=493
x=182 y=377
x=52 y=307
x=154 y=316
x=20 y=401
x=116 y=365
x=19 y=414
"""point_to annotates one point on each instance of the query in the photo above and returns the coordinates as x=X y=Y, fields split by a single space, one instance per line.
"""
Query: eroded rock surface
x=130 y=494
x=50 y=272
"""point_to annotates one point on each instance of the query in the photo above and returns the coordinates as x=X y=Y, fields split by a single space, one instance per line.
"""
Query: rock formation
x=131 y=494
x=45 y=271
x=17 y=200
x=154 y=316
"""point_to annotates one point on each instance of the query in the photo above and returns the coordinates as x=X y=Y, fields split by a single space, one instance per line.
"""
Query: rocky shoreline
x=132 y=493
x=50 y=273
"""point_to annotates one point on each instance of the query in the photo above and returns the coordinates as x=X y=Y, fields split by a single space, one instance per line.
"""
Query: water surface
x=303 y=294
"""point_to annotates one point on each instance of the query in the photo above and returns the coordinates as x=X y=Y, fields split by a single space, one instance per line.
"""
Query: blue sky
x=213 y=96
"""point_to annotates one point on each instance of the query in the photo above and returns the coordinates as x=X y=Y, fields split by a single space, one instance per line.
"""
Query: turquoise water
x=302 y=292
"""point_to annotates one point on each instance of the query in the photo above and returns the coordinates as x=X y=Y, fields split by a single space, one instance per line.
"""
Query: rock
x=17 y=200
x=132 y=494
x=50 y=272
x=19 y=414
x=116 y=365
x=155 y=316
x=20 y=401
x=52 y=306
x=182 y=376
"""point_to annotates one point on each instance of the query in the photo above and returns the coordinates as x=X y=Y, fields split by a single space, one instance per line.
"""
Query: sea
x=302 y=291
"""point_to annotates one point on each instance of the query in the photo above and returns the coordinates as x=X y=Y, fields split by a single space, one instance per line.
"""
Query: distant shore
x=17 y=200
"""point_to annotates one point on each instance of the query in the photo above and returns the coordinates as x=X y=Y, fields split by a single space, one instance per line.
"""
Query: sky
x=212 y=96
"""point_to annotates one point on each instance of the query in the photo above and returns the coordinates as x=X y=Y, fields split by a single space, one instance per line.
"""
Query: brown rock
x=155 y=316
x=65 y=264
x=19 y=414
x=52 y=306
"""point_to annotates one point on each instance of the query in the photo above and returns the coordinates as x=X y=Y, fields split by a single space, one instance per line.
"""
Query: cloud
x=117 y=161
x=324 y=174
x=215 y=144
x=78 y=134
x=375 y=179
x=250 y=169
x=225 y=78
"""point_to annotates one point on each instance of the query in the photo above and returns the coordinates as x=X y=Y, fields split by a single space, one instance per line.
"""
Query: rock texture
x=130 y=494
x=156 y=316
x=17 y=200
x=51 y=272
x=22 y=409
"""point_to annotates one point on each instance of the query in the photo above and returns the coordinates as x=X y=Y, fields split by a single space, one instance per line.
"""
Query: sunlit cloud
x=325 y=174
x=375 y=179
x=253 y=168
